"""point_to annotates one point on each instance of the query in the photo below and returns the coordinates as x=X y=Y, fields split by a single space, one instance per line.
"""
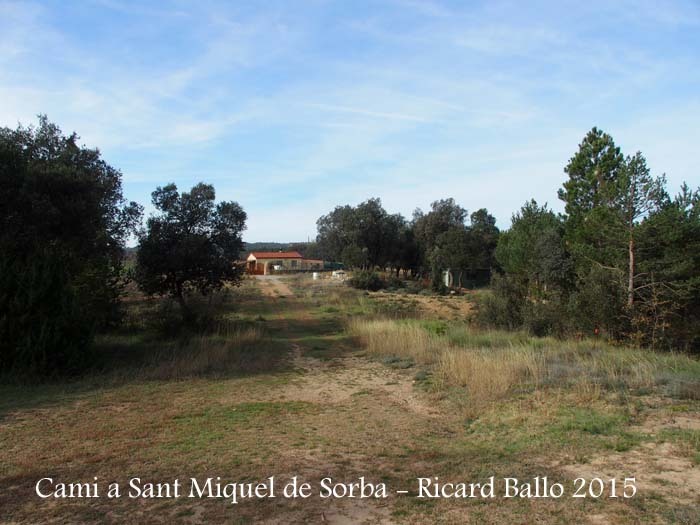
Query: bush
x=599 y=303
x=503 y=307
x=544 y=318
x=367 y=280
x=394 y=282
x=45 y=328
x=436 y=283
x=414 y=286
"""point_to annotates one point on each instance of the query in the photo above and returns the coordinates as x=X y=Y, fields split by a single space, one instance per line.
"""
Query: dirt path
x=659 y=467
x=345 y=378
x=273 y=286
x=344 y=388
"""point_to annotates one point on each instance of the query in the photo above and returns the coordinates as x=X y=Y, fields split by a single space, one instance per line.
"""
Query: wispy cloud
x=294 y=110
x=368 y=113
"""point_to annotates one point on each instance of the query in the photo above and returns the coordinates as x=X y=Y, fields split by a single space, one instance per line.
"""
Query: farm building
x=264 y=263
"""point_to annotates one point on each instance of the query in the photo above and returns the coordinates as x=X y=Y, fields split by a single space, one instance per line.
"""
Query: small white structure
x=447 y=278
x=339 y=275
x=315 y=276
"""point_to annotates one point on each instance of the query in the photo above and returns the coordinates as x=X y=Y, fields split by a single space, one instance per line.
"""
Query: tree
x=533 y=248
x=607 y=198
x=590 y=194
x=668 y=291
x=452 y=251
x=408 y=254
x=483 y=239
x=374 y=233
x=537 y=272
x=639 y=194
x=427 y=227
x=593 y=172
x=191 y=245
x=63 y=227
x=336 y=232
x=363 y=236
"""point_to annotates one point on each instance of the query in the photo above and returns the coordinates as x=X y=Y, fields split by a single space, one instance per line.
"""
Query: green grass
x=687 y=440
x=392 y=417
x=590 y=421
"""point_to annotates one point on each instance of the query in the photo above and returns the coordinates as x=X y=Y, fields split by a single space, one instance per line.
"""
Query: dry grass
x=489 y=374
x=205 y=354
x=390 y=338
x=489 y=365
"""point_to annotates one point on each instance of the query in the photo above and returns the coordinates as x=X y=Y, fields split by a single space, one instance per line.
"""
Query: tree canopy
x=621 y=261
x=367 y=236
x=192 y=244
x=63 y=226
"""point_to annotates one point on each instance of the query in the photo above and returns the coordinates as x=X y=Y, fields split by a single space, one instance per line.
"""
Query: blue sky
x=293 y=107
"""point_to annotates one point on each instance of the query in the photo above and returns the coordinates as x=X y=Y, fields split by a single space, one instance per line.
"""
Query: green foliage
x=503 y=308
x=538 y=274
x=622 y=262
x=545 y=318
x=437 y=284
x=533 y=248
x=599 y=303
x=667 y=300
x=191 y=245
x=46 y=327
x=608 y=199
x=367 y=280
x=365 y=236
x=393 y=282
x=63 y=224
x=444 y=215
x=593 y=174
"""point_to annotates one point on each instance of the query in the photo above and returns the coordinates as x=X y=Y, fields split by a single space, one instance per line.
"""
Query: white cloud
x=292 y=111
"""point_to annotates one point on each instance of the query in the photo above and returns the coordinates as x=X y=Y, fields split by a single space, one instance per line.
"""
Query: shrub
x=414 y=286
x=503 y=307
x=394 y=282
x=44 y=326
x=544 y=318
x=367 y=280
x=599 y=303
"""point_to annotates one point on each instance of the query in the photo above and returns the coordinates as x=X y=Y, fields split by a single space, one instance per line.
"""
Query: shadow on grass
x=153 y=345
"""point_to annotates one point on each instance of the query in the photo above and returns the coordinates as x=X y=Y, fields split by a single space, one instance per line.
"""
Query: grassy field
x=314 y=379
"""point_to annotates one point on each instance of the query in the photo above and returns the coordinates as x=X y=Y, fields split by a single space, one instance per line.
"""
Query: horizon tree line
x=622 y=261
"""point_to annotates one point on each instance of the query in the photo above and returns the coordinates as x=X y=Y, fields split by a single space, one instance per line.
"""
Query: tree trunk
x=630 y=277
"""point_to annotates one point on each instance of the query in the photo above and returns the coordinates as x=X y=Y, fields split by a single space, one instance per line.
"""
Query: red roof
x=276 y=255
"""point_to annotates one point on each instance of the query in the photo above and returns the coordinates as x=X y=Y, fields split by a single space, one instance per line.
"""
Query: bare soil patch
x=274 y=286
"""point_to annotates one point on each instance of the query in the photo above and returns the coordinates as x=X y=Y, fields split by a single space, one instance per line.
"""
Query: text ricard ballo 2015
x=540 y=487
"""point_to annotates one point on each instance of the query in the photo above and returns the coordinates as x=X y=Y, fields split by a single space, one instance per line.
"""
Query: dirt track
x=273 y=286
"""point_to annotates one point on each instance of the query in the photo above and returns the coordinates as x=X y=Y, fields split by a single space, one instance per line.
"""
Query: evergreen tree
x=63 y=225
x=191 y=245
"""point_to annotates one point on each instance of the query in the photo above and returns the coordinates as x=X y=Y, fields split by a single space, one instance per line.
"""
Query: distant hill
x=266 y=246
x=307 y=249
